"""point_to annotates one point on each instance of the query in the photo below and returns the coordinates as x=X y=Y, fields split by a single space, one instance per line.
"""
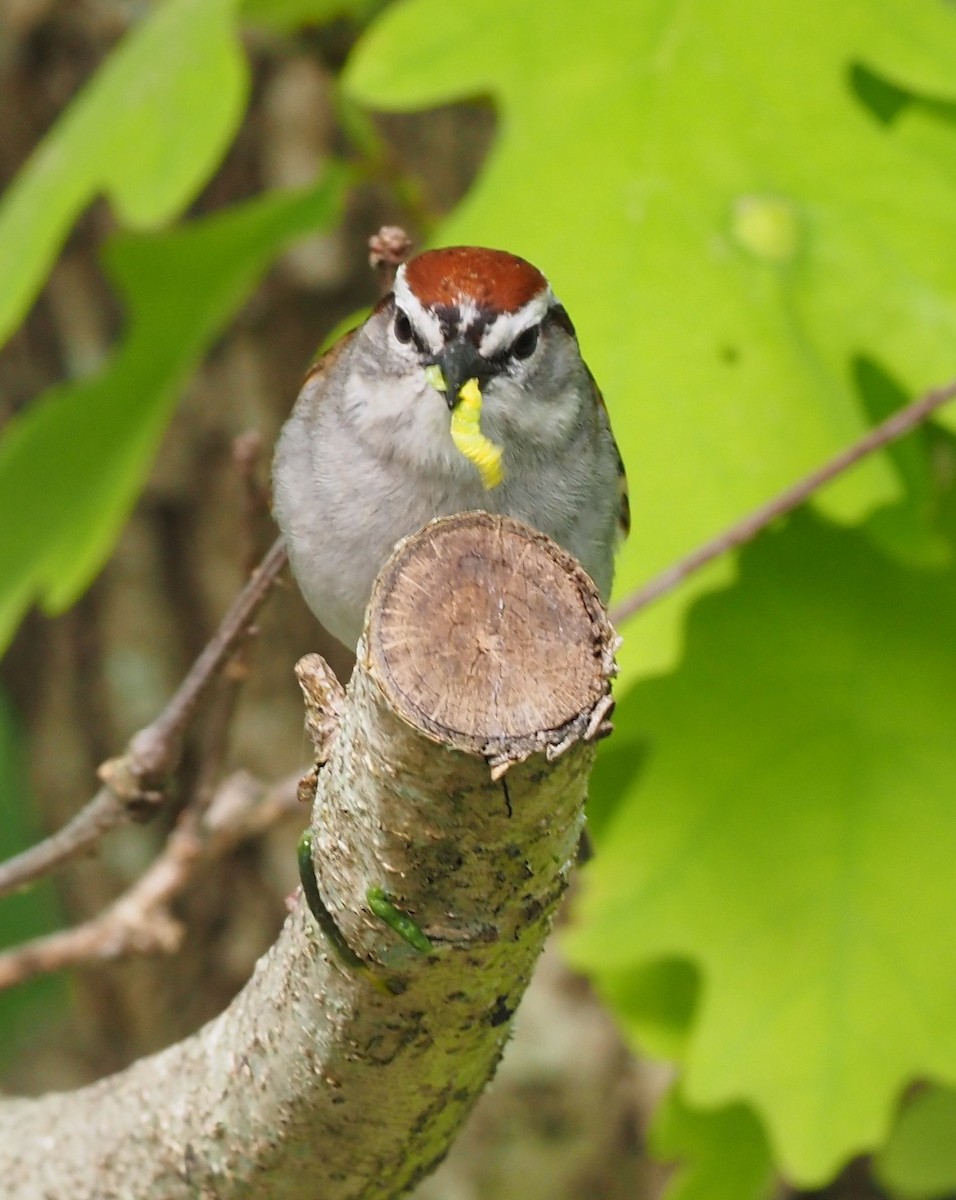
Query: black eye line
x=506 y=359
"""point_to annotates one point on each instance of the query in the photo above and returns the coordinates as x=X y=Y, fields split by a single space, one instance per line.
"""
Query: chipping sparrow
x=368 y=454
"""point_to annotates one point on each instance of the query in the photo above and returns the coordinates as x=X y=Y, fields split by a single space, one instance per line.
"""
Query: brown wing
x=328 y=359
x=624 y=511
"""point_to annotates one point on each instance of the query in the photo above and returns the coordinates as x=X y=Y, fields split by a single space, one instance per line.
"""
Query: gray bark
x=485 y=643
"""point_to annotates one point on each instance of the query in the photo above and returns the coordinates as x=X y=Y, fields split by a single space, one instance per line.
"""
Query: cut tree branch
x=347 y=1076
x=900 y=423
x=133 y=785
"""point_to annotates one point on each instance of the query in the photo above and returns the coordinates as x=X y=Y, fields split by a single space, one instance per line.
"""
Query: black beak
x=459 y=362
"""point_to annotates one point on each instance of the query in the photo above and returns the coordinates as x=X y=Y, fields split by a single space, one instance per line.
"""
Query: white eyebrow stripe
x=426 y=323
x=503 y=330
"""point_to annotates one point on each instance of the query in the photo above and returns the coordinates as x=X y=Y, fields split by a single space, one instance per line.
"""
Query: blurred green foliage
x=792 y=835
x=72 y=464
x=919 y=1160
x=748 y=209
x=146 y=131
x=726 y=1153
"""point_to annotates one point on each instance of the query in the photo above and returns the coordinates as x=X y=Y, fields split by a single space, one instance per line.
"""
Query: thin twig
x=900 y=423
x=133 y=784
x=139 y=921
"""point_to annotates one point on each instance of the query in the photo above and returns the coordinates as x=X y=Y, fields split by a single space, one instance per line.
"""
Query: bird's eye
x=403 y=327
x=524 y=344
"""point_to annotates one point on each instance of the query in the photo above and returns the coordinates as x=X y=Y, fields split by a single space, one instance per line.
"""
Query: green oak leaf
x=660 y=998
x=728 y=222
x=791 y=833
x=723 y=1154
x=918 y=1161
x=72 y=464
x=146 y=131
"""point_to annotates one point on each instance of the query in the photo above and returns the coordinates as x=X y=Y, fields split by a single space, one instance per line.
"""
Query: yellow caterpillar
x=470 y=441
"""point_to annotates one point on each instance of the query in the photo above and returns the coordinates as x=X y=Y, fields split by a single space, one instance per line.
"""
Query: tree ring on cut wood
x=489 y=637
